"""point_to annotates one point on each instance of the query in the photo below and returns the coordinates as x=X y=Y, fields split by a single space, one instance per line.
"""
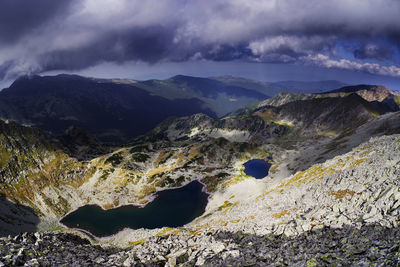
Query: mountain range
x=118 y=110
x=332 y=185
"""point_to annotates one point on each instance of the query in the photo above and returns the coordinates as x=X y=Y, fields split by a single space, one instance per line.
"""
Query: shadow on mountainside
x=387 y=124
x=16 y=218
x=327 y=246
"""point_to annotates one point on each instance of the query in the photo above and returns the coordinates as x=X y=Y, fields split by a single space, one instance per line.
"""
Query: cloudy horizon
x=264 y=40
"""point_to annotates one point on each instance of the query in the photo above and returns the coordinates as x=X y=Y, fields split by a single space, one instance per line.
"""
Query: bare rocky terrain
x=332 y=195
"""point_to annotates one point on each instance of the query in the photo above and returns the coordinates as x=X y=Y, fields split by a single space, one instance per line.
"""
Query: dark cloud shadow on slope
x=16 y=218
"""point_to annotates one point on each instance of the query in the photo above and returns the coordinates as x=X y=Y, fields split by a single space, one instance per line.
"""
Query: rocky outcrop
x=348 y=246
x=38 y=249
x=371 y=93
x=200 y=127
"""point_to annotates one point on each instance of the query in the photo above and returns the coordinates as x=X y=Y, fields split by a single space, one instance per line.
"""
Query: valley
x=199 y=133
x=333 y=170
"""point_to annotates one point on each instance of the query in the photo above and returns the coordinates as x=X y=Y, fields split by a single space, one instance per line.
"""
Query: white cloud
x=372 y=68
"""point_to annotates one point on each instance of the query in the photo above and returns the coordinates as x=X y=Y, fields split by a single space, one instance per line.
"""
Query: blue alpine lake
x=171 y=208
x=258 y=168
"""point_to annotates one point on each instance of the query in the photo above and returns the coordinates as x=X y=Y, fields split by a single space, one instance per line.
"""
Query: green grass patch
x=5 y=157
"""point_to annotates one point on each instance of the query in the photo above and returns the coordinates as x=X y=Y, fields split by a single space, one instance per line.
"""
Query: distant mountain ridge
x=113 y=112
x=312 y=86
x=273 y=88
x=219 y=97
x=376 y=94
x=118 y=110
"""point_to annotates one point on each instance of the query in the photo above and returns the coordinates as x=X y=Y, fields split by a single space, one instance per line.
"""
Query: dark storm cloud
x=371 y=51
x=285 y=31
x=19 y=17
x=147 y=44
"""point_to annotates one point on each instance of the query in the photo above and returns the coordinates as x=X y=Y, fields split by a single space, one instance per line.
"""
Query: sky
x=352 y=41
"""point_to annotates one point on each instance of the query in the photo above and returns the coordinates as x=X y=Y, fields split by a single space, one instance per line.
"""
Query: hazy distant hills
x=220 y=97
x=273 y=88
x=120 y=109
x=309 y=87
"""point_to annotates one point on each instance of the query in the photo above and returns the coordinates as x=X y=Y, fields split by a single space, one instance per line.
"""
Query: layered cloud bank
x=71 y=35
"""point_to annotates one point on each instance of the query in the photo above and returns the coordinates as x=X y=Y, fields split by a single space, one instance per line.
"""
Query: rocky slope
x=345 y=211
x=335 y=171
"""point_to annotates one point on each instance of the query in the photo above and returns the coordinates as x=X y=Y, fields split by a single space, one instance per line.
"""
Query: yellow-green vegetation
x=397 y=100
x=327 y=133
x=226 y=204
x=373 y=112
x=280 y=122
x=252 y=152
x=312 y=263
x=57 y=228
x=310 y=175
x=106 y=173
x=5 y=157
x=274 y=168
x=147 y=190
x=364 y=153
x=164 y=231
x=230 y=206
x=212 y=182
x=163 y=157
x=268 y=115
x=239 y=178
x=279 y=215
x=38 y=164
x=154 y=176
x=356 y=162
x=137 y=242
x=167 y=181
x=342 y=193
